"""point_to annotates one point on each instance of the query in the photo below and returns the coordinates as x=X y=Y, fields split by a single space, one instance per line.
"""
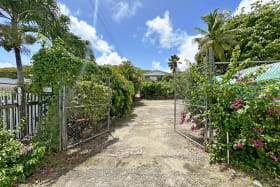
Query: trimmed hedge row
x=157 y=89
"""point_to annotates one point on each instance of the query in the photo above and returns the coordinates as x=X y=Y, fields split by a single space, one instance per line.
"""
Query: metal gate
x=83 y=116
x=191 y=112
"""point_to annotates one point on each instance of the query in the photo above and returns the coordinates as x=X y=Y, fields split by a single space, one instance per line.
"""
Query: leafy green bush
x=152 y=88
x=88 y=93
x=55 y=67
x=18 y=159
x=123 y=93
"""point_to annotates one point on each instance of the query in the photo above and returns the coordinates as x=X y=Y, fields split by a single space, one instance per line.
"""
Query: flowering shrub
x=249 y=110
x=18 y=159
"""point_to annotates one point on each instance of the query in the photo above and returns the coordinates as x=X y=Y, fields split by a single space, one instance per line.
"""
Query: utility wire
x=101 y=18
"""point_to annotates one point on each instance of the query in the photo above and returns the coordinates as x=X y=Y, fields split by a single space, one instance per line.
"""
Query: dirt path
x=144 y=151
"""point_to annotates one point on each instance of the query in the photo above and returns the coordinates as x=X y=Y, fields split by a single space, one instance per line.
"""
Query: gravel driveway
x=143 y=150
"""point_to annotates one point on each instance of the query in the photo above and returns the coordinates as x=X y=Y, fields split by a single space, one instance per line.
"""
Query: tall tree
x=60 y=28
x=21 y=17
x=260 y=36
x=216 y=36
x=173 y=63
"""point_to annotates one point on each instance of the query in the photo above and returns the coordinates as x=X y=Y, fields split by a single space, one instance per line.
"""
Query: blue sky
x=146 y=32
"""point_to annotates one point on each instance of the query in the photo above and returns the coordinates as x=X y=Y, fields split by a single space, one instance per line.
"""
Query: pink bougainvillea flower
x=217 y=164
x=261 y=131
x=275 y=158
x=183 y=112
x=180 y=122
x=195 y=122
x=254 y=76
x=239 y=74
x=187 y=119
x=235 y=108
x=255 y=129
x=239 y=144
x=275 y=99
x=270 y=152
x=239 y=104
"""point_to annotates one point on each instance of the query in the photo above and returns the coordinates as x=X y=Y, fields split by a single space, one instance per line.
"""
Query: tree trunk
x=19 y=66
x=21 y=85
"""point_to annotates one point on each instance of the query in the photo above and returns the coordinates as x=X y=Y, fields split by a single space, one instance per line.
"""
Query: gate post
x=109 y=102
x=175 y=99
x=206 y=101
x=211 y=65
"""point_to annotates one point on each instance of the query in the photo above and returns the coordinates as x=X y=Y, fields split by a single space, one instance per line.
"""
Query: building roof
x=155 y=72
x=272 y=72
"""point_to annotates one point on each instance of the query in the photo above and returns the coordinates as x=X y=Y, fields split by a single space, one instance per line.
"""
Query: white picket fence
x=10 y=104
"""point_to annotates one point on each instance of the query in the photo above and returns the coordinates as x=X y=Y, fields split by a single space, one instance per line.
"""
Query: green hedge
x=154 y=89
x=55 y=66
x=89 y=93
x=12 y=72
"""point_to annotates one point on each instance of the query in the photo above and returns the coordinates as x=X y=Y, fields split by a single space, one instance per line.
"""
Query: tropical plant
x=173 y=63
x=21 y=17
x=216 y=36
x=60 y=29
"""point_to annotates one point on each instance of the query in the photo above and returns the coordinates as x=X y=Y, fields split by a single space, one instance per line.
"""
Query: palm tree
x=217 y=35
x=22 y=17
x=173 y=63
x=60 y=28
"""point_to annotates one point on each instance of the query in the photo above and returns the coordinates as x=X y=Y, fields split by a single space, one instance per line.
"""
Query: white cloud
x=88 y=32
x=111 y=58
x=6 y=65
x=157 y=66
x=247 y=5
x=187 y=50
x=161 y=29
x=124 y=10
x=64 y=10
x=160 y=32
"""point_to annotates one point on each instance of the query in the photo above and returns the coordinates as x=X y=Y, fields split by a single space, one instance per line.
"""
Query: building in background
x=154 y=75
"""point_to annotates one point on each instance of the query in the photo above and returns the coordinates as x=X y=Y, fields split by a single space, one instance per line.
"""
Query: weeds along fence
x=35 y=107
